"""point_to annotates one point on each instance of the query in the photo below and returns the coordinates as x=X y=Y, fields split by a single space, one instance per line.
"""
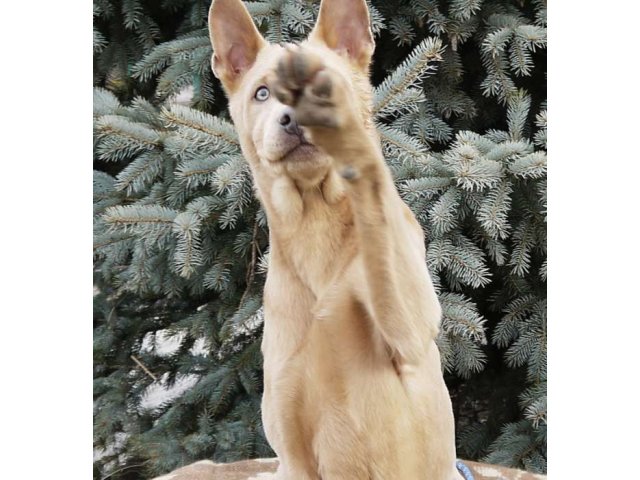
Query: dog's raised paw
x=302 y=81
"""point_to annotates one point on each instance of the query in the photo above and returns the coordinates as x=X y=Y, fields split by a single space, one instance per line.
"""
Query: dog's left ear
x=344 y=26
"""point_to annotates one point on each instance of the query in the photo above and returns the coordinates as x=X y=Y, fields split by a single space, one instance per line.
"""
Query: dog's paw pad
x=349 y=173
x=302 y=81
x=300 y=67
x=284 y=95
x=322 y=85
x=296 y=69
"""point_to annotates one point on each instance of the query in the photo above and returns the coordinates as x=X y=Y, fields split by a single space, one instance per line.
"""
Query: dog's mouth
x=301 y=152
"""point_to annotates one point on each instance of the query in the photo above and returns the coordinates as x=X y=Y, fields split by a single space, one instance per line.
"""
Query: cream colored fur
x=353 y=387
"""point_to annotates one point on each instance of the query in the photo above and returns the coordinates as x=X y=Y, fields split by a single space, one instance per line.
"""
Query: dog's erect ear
x=236 y=41
x=343 y=25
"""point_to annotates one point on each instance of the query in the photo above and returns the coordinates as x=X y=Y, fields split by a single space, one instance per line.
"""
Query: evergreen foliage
x=181 y=244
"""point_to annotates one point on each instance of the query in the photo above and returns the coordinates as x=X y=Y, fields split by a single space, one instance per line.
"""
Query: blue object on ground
x=464 y=470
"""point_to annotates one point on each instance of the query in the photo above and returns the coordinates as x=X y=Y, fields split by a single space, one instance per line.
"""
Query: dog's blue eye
x=262 y=94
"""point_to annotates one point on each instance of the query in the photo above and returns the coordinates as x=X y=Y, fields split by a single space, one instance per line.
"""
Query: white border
x=45 y=202
x=594 y=328
x=45 y=240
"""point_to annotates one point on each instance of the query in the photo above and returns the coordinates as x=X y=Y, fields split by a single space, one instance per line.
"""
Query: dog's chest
x=321 y=246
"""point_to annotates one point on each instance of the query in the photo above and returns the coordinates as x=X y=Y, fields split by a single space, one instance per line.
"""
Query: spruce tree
x=181 y=244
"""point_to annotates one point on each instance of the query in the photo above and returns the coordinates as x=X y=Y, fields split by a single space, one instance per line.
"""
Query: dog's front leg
x=398 y=291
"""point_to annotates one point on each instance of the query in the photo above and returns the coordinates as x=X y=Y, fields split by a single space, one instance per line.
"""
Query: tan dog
x=353 y=387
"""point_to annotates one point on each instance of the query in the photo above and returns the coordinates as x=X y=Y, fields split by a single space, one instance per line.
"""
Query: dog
x=353 y=386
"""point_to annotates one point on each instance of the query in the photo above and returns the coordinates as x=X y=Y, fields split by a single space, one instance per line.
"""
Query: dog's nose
x=288 y=122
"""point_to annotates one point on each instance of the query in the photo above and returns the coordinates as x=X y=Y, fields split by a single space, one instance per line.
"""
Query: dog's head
x=270 y=137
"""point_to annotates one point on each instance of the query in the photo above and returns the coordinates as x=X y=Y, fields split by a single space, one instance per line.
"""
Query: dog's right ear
x=235 y=39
